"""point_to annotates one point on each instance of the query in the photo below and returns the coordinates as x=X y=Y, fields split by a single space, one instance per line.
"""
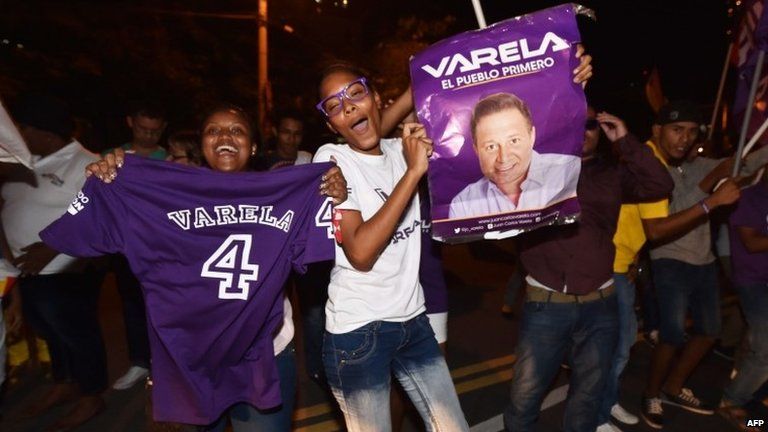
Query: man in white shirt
x=59 y=299
x=515 y=177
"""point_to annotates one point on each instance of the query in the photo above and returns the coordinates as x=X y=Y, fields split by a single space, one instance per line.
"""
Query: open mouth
x=226 y=149
x=360 y=125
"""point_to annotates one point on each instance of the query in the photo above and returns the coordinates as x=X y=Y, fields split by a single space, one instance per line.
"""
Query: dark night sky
x=100 y=50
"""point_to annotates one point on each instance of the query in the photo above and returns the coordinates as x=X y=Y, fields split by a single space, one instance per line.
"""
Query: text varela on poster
x=507 y=122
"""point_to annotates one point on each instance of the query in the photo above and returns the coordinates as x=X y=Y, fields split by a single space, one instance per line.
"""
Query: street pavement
x=480 y=353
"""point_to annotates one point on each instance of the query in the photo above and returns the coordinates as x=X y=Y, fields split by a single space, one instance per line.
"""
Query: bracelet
x=704 y=206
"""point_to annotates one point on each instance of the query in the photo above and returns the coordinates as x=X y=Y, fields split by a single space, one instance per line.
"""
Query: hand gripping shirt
x=212 y=251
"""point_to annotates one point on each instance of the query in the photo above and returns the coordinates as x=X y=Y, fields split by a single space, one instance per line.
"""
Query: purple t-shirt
x=212 y=251
x=751 y=211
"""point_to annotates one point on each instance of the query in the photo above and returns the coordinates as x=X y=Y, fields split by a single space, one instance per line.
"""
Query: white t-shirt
x=390 y=291
x=285 y=335
x=33 y=203
x=303 y=157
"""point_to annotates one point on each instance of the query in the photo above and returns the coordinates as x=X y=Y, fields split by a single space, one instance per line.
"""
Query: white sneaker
x=134 y=375
x=622 y=415
x=607 y=427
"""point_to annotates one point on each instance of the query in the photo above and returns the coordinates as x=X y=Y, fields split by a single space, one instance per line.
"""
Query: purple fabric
x=751 y=211
x=431 y=276
x=213 y=303
x=451 y=76
x=752 y=38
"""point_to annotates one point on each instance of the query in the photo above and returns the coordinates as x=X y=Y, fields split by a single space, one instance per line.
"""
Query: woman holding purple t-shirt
x=227 y=146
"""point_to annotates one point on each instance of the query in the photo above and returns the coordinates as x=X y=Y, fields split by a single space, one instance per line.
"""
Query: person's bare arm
x=721 y=171
x=392 y=115
x=662 y=230
x=364 y=240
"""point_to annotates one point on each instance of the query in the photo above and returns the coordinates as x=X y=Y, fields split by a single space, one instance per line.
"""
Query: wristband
x=704 y=206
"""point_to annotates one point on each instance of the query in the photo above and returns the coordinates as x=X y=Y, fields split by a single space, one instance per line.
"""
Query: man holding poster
x=515 y=176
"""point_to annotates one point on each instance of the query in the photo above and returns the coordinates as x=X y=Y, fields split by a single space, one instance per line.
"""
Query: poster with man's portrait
x=507 y=122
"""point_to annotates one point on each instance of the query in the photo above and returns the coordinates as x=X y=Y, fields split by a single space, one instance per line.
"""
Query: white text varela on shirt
x=230 y=214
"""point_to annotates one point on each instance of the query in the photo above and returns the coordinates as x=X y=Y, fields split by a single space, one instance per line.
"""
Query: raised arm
x=752 y=162
x=392 y=115
x=643 y=177
x=364 y=240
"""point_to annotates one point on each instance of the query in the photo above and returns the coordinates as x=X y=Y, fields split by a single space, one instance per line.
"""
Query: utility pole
x=264 y=93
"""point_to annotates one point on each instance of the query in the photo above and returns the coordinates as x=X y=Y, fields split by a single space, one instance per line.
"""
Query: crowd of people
x=373 y=298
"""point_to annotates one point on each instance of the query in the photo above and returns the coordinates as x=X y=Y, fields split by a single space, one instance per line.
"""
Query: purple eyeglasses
x=354 y=91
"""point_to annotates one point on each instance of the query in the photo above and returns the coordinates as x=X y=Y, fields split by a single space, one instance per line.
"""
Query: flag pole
x=479 y=13
x=719 y=97
x=748 y=112
x=752 y=141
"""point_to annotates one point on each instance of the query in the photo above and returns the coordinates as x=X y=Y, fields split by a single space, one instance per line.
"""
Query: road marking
x=496 y=424
x=311 y=411
x=494 y=378
x=484 y=381
x=482 y=366
x=326 y=426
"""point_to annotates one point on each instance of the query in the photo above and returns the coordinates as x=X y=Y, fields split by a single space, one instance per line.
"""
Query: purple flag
x=507 y=123
x=752 y=37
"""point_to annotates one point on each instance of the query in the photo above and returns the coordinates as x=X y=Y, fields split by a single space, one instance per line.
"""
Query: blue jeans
x=625 y=298
x=753 y=368
x=359 y=365
x=648 y=300
x=312 y=290
x=246 y=418
x=587 y=332
x=134 y=312
x=683 y=287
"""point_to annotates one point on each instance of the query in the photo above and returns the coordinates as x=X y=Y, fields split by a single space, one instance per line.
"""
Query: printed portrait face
x=504 y=145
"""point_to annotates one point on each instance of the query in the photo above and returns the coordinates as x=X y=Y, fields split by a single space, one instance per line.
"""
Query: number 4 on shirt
x=231 y=264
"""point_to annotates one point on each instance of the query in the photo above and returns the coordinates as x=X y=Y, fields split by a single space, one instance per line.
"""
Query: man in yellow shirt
x=652 y=222
x=629 y=239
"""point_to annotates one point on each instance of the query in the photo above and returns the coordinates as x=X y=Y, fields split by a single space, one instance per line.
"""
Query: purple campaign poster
x=507 y=122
